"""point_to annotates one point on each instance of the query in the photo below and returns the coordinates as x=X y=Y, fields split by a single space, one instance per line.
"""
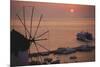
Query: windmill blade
x=38 y=26
x=37 y=50
x=32 y=40
x=43 y=47
x=22 y=23
x=31 y=22
x=41 y=39
x=42 y=34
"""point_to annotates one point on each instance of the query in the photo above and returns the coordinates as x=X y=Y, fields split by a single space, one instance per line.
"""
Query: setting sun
x=72 y=10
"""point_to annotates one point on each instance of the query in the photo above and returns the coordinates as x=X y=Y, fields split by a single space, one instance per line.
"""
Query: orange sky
x=53 y=13
x=56 y=14
x=81 y=11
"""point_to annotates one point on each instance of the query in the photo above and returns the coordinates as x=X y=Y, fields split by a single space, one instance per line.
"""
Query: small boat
x=84 y=36
x=85 y=48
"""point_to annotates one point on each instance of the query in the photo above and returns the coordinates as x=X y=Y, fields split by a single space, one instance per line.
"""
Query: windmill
x=19 y=42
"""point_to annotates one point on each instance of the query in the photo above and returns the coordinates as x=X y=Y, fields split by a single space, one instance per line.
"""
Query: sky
x=82 y=11
x=63 y=19
x=52 y=12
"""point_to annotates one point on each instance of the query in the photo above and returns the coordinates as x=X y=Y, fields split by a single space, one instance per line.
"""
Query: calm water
x=64 y=35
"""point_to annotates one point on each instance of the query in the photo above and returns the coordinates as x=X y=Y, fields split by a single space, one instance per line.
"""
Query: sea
x=62 y=35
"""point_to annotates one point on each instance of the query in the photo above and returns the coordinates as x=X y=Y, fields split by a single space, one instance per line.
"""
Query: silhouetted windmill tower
x=19 y=42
